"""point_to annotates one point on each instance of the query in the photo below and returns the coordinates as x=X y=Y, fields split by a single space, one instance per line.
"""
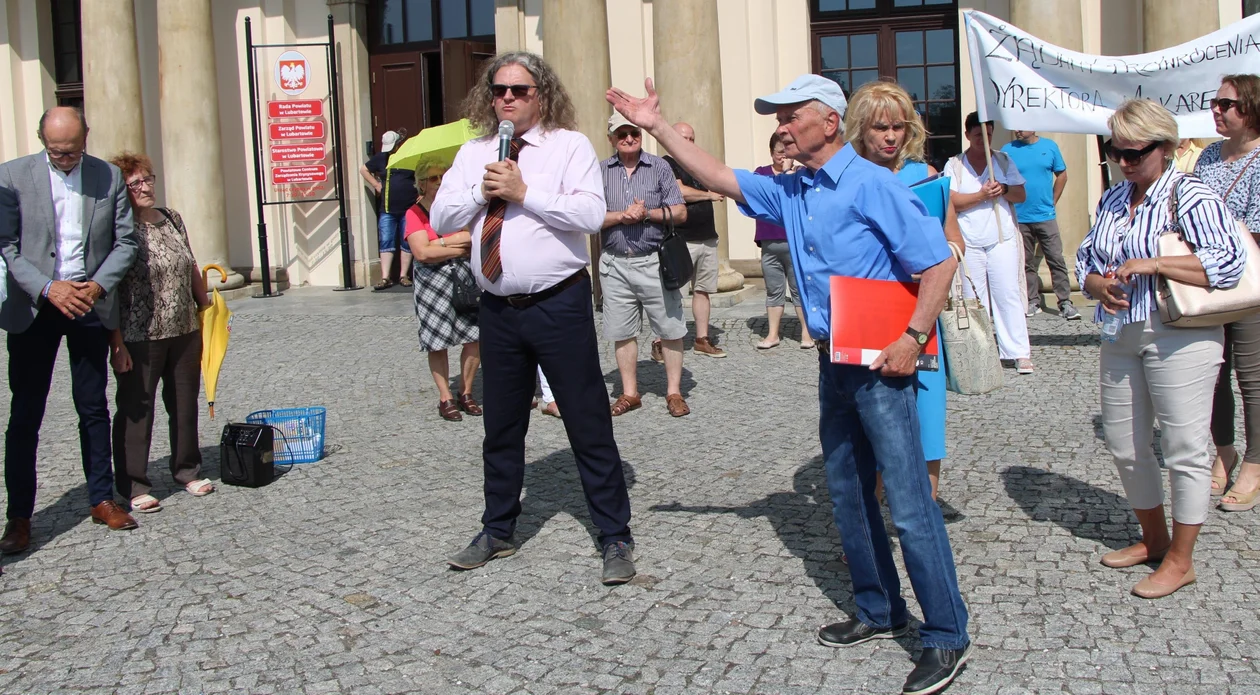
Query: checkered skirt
x=442 y=327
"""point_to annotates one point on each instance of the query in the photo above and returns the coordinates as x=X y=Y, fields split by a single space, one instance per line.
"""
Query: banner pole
x=264 y=258
x=334 y=82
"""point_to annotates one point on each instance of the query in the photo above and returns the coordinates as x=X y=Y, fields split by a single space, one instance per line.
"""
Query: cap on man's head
x=616 y=120
x=804 y=88
x=389 y=140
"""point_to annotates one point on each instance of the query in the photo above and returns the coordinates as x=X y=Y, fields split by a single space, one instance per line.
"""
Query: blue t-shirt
x=1038 y=163
x=851 y=218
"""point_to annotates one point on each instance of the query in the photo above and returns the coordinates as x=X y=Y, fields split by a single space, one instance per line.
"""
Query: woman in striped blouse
x=1152 y=370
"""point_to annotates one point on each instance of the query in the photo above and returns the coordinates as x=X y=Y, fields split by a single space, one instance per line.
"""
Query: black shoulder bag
x=675 y=257
x=466 y=295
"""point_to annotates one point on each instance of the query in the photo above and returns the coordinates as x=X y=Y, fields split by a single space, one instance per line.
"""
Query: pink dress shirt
x=544 y=240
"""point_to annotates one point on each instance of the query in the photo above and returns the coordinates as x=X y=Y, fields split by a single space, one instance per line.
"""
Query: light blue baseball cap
x=804 y=88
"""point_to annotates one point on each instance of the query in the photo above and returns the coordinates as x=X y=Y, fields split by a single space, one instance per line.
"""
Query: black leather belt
x=524 y=301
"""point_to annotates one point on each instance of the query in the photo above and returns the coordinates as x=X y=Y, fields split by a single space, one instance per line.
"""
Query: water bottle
x=1112 y=323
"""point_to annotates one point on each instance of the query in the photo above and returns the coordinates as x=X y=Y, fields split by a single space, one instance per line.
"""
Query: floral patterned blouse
x=156 y=295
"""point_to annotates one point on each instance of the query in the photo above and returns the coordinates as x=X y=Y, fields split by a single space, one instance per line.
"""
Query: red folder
x=868 y=315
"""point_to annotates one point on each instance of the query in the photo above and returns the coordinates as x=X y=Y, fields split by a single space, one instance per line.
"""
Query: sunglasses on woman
x=1223 y=104
x=520 y=91
x=1130 y=157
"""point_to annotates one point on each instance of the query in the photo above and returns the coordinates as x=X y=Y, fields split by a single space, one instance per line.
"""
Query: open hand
x=644 y=112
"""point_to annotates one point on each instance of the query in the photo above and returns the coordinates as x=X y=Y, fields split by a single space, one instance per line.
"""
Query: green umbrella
x=435 y=146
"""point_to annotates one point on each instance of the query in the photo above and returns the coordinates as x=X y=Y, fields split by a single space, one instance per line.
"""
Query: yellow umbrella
x=436 y=146
x=216 y=326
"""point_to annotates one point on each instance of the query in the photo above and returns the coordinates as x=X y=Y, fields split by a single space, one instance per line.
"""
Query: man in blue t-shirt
x=1045 y=176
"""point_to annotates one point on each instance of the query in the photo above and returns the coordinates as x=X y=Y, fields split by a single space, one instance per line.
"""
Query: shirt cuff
x=535 y=200
x=44 y=293
x=476 y=195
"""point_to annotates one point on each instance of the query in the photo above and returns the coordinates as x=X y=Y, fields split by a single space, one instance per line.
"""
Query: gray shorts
x=632 y=286
x=704 y=257
x=776 y=269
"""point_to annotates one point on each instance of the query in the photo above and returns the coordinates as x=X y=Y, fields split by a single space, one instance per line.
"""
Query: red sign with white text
x=298 y=153
x=297 y=131
x=284 y=176
x=295 y=108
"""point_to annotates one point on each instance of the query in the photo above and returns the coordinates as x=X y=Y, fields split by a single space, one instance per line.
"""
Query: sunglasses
x=1224 y=104
x=520 y=91
x=628 y=134
x=433 y=179
x=1130 y=157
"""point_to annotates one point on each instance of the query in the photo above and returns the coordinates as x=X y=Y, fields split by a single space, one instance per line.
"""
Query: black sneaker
x=935 y=670
x=618 y=563
x=855 y=631
x=483 y=549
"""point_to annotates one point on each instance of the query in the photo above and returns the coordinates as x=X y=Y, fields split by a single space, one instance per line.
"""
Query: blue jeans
x=869 y=423
x=389 y=233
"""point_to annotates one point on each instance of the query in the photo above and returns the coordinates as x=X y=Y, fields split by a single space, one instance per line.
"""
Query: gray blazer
x=28 y=235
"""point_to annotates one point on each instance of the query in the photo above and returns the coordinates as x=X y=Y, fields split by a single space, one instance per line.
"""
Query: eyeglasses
x=628 y=134
x=436 y=178
x=66 y=154
x=520 y=91
x=1130 y=157
x=1222 y=104
x=138 y=184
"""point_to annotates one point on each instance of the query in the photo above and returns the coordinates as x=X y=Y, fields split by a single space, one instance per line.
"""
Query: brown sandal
x=468 y=405
x=383 y=285
x=676 y=405
x=449 y=410
x=625 y=404
x=404 y=281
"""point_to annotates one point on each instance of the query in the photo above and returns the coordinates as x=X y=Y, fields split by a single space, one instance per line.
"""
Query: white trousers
x=998 y=274
x=1153 y=371
x=546 y=388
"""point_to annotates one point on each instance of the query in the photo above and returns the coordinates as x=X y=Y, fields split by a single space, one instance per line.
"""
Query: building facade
x=169 y=78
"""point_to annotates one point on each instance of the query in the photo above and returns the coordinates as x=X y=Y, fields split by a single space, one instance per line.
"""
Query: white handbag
x=972 y=365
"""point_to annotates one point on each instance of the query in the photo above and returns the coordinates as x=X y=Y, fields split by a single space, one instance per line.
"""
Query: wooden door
x=398 y=93
x=462 y=61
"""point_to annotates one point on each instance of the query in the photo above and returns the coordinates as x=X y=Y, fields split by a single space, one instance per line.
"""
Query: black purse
x=466 y=297
x=675 y=257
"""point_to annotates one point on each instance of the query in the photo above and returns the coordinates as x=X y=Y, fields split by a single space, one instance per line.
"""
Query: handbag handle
x=959 y=307
x=667 y=217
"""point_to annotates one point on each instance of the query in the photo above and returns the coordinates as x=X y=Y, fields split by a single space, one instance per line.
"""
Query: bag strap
x=1242 y=171
x=955 y=301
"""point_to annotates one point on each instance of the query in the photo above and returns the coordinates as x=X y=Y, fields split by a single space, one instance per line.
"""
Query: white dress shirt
x=67 y=198
x=544 y=240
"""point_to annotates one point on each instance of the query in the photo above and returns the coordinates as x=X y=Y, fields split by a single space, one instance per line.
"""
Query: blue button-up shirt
x=850 y=218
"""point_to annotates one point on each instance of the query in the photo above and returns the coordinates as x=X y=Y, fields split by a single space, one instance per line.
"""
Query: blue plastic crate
x=302 y=430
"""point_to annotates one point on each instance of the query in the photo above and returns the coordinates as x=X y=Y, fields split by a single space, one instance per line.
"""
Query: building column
x=1060 y=22
x=111 y=77
x=575 y=41
x=350 y=31
x=1166 y=24
x=191 y=142
x=688 y=70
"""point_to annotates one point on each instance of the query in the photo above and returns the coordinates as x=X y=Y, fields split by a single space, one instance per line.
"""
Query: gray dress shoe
x=618 y=563
x=483 y=549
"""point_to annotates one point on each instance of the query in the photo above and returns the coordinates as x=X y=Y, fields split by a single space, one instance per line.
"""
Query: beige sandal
x=1220 y=483
x=1242 y=502
x=200 y=488
x=145 y=504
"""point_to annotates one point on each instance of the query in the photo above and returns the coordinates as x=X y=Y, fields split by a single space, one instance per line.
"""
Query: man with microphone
x=530 y=210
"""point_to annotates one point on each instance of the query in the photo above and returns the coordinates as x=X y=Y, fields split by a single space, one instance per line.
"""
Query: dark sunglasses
x=628 y=133
x=520 y=91
x=1130 y=157
x=1224 y=104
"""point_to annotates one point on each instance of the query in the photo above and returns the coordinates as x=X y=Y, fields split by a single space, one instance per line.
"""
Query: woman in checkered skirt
x=440 y=264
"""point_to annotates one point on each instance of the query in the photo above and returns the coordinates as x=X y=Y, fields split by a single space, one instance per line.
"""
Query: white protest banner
x=1028 y=84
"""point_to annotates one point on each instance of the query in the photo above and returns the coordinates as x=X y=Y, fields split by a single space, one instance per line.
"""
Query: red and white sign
x=292 y=70
x=298 y=153
x=307 y=130
x=284 y=176
x=295 y=108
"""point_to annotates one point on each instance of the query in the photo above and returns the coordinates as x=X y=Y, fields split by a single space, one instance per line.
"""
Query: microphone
x=506 y=131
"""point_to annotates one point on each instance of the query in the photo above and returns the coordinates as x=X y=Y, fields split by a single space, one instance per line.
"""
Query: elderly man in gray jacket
x=66 y=235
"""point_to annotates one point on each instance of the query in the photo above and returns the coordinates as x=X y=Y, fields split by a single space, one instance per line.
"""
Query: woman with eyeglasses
x=440 y=264
x=158 y=339
x=1229 y=168
x=1148 y=370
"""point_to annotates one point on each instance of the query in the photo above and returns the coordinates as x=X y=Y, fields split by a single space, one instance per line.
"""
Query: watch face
x=922 y=338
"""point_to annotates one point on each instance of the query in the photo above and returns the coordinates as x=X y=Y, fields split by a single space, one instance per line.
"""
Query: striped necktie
x=492 y=229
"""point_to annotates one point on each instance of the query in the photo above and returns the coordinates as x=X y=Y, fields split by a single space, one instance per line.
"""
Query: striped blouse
x=1208 y=227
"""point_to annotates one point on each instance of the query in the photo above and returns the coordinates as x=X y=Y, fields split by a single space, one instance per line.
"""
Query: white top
x=67 y=198
x=980 y=227
x=544 y=240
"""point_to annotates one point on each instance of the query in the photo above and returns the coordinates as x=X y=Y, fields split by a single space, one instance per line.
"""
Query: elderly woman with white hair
x=1149 y=370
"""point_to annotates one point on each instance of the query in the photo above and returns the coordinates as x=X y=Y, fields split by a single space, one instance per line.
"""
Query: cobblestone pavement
x=332 y=579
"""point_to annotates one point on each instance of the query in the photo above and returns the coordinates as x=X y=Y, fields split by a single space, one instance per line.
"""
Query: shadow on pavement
x=70 y=510
x=1087 y=512
x=552 y=486
x=651 y=377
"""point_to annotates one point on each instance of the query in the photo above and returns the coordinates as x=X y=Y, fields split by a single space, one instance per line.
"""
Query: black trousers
x=32 y=357
x=557 y=334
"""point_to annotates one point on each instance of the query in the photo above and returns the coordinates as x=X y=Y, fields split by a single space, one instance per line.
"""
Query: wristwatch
x=1005 y=189
x=919 y=338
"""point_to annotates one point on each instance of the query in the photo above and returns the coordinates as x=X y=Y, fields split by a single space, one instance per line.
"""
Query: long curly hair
x=875 y=98
x=553 y=101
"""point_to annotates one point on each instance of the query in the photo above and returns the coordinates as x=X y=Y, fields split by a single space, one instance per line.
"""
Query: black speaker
x=247 y=455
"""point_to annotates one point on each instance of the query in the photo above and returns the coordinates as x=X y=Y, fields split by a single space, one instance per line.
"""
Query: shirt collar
x=615 y=160
x=77 y=167
x=834 y=167
x=535 y=136
x=1162 y=186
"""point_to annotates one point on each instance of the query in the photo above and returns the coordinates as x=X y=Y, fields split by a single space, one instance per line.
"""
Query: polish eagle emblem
x=292 y=71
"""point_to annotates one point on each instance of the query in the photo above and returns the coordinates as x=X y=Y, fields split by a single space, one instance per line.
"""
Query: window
x=1251 y=7
x=839 y=9
x=67 y=52
x=397 y=23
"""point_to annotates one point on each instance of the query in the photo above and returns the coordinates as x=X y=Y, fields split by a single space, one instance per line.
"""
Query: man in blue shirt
x=847 y=216
x=1045 y=176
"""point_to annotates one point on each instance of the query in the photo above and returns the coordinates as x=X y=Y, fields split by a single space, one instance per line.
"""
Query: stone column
x=111 y=77
x=191 y=142
x=1060 y=22
x=1166 y=24
x=688 y=75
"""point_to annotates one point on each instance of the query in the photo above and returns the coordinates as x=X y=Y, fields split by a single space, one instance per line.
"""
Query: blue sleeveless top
x=913 y=172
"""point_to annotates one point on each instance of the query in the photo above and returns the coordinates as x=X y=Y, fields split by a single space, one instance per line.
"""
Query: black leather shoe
x=618 y=563
x=855 y=631
x=483 y=549
x=935 y=670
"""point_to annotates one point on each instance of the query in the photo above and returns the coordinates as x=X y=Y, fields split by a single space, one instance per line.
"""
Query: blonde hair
x=875 y=98
x=1143 y=120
